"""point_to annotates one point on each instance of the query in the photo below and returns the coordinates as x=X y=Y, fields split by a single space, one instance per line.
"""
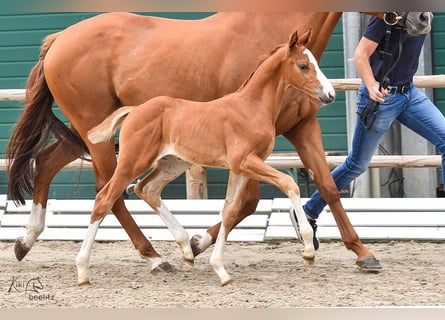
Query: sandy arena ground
x=269 y=274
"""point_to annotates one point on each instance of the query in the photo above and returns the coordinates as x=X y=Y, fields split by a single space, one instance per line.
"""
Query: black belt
x=404 y=88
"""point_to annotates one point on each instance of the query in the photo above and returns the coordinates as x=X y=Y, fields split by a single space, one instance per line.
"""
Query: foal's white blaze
x=326 y=92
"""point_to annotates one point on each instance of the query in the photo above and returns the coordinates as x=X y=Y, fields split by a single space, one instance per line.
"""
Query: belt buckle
x=393 y=89
x=405 y=88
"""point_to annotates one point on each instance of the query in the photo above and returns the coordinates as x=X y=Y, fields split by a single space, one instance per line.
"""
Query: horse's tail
x=107 y=128
x=33 y=130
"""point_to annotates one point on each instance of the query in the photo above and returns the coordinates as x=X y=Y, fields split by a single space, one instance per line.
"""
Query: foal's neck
x=265 y=88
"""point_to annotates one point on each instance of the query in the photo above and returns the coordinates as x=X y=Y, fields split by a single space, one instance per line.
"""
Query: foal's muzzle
x=326 y=96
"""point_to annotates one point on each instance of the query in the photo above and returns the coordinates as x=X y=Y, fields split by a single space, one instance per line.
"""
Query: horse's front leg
x=49 y=161
x=249 y=196
x=306 y=137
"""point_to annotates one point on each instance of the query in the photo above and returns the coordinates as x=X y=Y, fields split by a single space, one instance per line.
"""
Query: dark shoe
x=312 y=222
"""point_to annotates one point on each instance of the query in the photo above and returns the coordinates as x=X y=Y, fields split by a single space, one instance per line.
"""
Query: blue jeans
x=412 y=109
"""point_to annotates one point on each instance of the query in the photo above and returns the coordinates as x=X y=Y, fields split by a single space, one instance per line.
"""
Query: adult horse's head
x=305 y=73
x=415 y=22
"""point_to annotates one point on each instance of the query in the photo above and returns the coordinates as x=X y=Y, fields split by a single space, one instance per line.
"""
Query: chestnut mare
x=97 y=65
x=236 y=132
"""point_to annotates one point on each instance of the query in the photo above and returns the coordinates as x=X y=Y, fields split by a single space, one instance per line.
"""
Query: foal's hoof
x=309 y=262
x=20 y=249
x=164 y=267
x=189 y=263
x=369 y=264
x=194 y=243
x=84 y=284
x=227 y=281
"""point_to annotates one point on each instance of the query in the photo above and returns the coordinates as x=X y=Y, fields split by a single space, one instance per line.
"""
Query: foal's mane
x=262 y=58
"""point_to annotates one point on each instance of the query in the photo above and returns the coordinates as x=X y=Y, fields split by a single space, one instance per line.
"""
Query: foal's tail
x=106 y=129
x=33 y=130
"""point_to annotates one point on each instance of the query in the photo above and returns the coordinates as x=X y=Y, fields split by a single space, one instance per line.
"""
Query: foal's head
x=303 y=71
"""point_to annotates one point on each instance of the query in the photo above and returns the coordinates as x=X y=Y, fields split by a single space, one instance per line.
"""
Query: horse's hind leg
x=249 y=196
x=307 y=140
x=49 y=161
x=150 y=187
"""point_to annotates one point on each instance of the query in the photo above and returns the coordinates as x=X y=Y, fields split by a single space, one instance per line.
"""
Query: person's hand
x=377 y=95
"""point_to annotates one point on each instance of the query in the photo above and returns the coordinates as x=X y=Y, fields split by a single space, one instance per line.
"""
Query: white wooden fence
x=373 y=219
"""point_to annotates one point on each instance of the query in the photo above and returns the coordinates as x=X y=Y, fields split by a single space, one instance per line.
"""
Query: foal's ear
x=293 y=40
x=305 y=38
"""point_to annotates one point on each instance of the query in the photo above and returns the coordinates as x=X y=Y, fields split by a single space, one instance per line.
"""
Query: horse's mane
x=262 y=58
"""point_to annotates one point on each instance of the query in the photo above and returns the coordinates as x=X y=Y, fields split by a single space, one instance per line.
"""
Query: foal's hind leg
x=104 y=202
x=49 y=161
x=150 y=187
x=229 y=221
x=104 y=161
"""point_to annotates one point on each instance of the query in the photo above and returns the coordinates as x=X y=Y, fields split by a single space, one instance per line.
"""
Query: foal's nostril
x=327 y=99
x=331 y=96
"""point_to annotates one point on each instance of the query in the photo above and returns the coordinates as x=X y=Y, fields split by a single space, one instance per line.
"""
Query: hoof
x=84 y=284
x=20 y=249
x=369 y=264
x=309 y=262
x=164 y=267
x=226 y=281
x=194 y=243
x=189 y=263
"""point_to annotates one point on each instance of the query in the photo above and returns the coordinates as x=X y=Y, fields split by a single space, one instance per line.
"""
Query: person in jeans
x=380 y=103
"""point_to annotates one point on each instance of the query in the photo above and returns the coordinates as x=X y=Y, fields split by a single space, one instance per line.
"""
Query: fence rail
x=292 y=160
x=433 y=81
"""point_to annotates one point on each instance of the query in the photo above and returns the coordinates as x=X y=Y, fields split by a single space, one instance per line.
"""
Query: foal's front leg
x=249 y=197
x=255 y=168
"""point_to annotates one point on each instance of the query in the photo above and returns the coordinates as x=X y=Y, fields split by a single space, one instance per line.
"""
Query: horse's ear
x=305 y=38
x=293 y=40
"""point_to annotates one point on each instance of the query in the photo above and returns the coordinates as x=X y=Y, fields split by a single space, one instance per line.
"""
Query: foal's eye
x=303 y=66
